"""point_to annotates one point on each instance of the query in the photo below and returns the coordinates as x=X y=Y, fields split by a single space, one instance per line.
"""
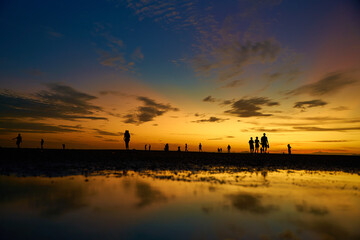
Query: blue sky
x=245 y=55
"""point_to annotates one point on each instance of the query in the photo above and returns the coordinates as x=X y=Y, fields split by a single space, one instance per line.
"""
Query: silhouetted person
x=127 y=139
x=179 y=149
x=289 y=149
x=200 y=147
x=18 y=140
x=264 y=143
x=186 y=147
x=149 y=147
x=145 y=147
x=63 y=146
x=166 y=149
x=221 y=150
x=251 y=144
x=228 y=148
x=42 y=143
x=257 y=145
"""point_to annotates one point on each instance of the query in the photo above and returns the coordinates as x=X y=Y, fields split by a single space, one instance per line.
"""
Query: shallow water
x=182 y=205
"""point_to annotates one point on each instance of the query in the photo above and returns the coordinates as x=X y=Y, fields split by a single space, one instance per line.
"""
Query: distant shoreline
x=58 y=162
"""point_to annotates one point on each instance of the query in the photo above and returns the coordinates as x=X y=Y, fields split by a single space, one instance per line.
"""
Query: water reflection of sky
x=182 y=205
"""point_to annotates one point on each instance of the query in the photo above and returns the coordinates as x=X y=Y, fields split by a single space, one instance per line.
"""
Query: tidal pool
x=182 y=205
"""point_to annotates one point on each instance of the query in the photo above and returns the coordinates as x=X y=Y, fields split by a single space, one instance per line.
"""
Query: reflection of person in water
x=18 y=140
x=264 y=143
x=200 y=147
x=289 y=149
x=257 y=145
x=127 y=139
x=228 y=148
x=251 y=144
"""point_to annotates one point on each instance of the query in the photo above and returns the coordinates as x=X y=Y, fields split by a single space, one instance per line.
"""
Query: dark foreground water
x=182 y=205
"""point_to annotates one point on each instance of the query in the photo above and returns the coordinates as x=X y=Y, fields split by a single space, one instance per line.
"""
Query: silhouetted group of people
x=146 y=147
x=264 y=144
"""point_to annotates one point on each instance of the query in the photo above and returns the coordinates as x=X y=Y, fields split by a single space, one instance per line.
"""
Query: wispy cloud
x=321 y=129
x=227 y=60
x=13 y=125
x=331 y=83
x=307 y=129
x=150 y=110
x=232 y=84
x=310 y=104
x=112 y=51
x=211 y=119
x=209 y=99
x=106 y=133
x=58 y=102
x=251 y=107
x=340 y=108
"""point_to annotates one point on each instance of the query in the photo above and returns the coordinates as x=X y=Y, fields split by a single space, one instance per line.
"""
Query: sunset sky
x=181 y=71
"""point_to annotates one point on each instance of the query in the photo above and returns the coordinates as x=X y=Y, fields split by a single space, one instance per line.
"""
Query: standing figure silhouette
x=166 y=149
x=228 y=148
x=42 y=143
x=251 y=144
x=145 y=147
x=127 y=139
x=149 y=147
x=186 y=147
x=200 y=147
x=18 y=140
x=257 y=145
x=289 y=149
x=264 y=143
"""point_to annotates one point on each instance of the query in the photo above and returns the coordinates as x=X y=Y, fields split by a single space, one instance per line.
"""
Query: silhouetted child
x=200 y=147
x=127 y=139
x=228 y=148
x=145 y=147
x=18 y=140
x=186 y=147
x=257 y=145
x=264 y=143
x=42 y=143
x=251 y=143
x=289 y=149
x=63 y=146
x=149 y=147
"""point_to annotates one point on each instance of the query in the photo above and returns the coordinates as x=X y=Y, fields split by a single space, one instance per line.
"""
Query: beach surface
x=54 y=162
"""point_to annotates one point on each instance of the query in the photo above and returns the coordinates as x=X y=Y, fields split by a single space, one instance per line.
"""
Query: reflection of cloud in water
x=326 y=229
x=250 y=203
x=288 y=235
x=315 y=210
x=148 y=195
x=48 y=198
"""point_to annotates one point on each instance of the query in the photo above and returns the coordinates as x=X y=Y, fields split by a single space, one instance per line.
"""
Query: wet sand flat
x=51 y=162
